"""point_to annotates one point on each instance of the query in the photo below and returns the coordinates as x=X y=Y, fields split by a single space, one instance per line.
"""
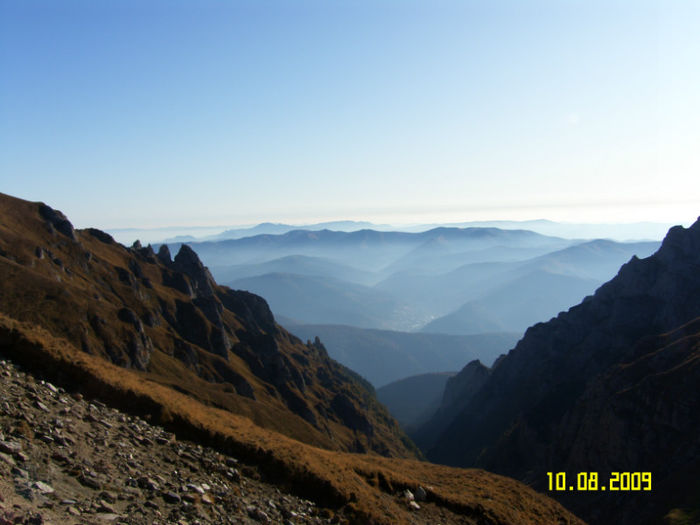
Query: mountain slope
x=414 y=399
x=547 y=393
x=364 y=488
x=169 y=319
x=514 y=306
x=597 y=261
x=158 y=338
x=294 y=264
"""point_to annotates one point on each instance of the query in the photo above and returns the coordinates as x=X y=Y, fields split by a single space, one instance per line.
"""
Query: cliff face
x=459 y=389
x=167 y=318
x=599 y=388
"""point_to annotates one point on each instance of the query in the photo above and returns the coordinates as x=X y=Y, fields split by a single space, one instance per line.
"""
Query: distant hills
x=616 y=231
x=295 y=265
x=323 y=300
x=624 y=232
x=369 y=250
x=446 y=280
x=515 y=304
x=384 y=356
x=606 y=387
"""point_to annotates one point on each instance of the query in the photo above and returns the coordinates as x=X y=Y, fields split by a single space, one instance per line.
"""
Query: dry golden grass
x=364 y=483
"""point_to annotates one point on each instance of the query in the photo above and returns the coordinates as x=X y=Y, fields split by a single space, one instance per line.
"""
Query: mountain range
x=157 y=337
x=616 y=231
x=454 y=281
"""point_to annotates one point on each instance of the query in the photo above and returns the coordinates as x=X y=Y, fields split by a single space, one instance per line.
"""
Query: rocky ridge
x=568 y=397
x=166 y=317
x=457 y=392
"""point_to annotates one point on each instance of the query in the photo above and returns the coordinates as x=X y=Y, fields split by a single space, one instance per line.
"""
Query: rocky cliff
x=167 y=318
x=456 y=394
x=605 y=386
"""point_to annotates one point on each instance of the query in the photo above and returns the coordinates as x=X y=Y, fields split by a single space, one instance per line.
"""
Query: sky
x=157 y=113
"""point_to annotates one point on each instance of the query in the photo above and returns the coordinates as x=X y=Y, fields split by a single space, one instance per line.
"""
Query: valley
x=157 y=337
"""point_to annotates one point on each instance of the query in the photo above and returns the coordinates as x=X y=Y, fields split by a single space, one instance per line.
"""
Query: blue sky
x=153 y=113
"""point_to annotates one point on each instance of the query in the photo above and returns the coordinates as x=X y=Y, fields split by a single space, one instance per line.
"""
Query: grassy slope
x=365 y=483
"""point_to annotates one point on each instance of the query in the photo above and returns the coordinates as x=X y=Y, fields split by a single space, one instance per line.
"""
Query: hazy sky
x=152 y=113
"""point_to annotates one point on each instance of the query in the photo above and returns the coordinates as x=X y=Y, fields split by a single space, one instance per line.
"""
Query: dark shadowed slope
x=600 y=388
x=413 y=400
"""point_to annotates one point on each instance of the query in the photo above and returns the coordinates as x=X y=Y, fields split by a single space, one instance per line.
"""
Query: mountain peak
x=56 y=220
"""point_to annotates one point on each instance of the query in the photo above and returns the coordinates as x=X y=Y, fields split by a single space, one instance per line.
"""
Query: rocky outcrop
x=516 y=421
x=459 y=390
x=56 y=221
x=250 y=308
x=461 y=387
x=170 y=320
x=187 y=262
x=350 y=414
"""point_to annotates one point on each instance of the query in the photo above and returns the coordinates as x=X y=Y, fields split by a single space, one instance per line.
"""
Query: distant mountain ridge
x=625 y=232
x=363 y=249
x=271 y=228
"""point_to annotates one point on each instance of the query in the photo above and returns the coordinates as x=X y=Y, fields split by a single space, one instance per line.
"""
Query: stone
x=104 y=507
x=257 y=514
x=10 y=447
x=147 y=483
x=89 y=482
x=195 y=488
x=420 y=494
x=171 y=497
x=108 y=496
x=5 y=458
x=51 y=387
x=42 y=487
